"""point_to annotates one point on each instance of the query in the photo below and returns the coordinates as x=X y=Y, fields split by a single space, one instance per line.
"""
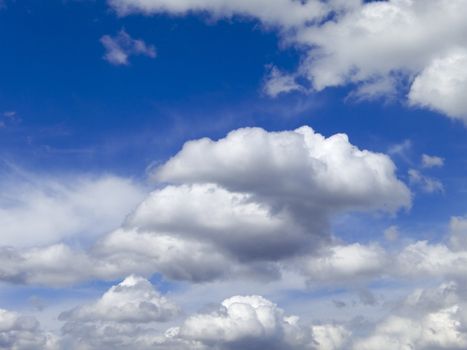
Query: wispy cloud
x=120 y=47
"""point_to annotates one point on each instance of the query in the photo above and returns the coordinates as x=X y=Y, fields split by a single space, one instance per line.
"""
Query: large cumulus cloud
x=245 y=205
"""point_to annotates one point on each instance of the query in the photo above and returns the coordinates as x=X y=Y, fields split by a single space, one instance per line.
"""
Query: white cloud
x=330 y=337
x=426 y=183
x=442 y=86
x=38 y=210
x=134 y=300
x=279 y=12
x=428 y=319
x=245 y=205
x=125 y=316
x=119 y=48
x=432 y=161
x=391 y=233
x=18 y=332
x=289 y=168
x=346 y=263
x=278 y=82
x=379 y=47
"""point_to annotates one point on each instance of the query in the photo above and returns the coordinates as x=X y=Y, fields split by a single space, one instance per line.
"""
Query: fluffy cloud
x=380 y=47
x=346 y=263
x=36 y=210
x=125 y=316
x=119 y=48
x=18 y=332
x=297 y=168
x=246 y=322
x=133 y=301
x=129 y=314
x=244 y=205
x=442 y=86
x=277 y=83
x=428 y=319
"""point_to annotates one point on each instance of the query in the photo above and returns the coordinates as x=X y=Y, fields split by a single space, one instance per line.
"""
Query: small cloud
x=278 y=82
x=367 y=298
x=401 y=149
x=37 y=303
x=432 y=161
x=391 y=233
x=121 y=46
x=339 y=304
x=10 y=114
x=427 y=184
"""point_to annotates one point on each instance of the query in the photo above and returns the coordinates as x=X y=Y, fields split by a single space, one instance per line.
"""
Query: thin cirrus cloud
x=411 y=48
x=119 y=48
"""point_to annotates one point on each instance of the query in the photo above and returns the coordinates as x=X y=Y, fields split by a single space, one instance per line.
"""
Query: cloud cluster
x=433 y=318
x=129 y=314
x=243 y=205
x=383 y=48
x=125 y=316
x=18 y=332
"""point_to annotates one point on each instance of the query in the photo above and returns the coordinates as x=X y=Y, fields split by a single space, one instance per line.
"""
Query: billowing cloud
x=293 y=169
x=245 y=205
x=442 y=86
x=132 y=301
x=119 y=48
x=428 y=319
x=125 y=316
x=19 y=332
x=346 y=263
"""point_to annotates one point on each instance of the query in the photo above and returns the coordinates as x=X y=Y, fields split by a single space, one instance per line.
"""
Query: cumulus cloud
x=119 y=48
x=379 y=47
x=245 y=205
x=125 y=316
x=428 y=319
x=346 y=263
x=39 y=210
x=289 y=168
x=130 y=315
x=133 y=301
x=20 y=332
x=246 y=322
x=442 y=85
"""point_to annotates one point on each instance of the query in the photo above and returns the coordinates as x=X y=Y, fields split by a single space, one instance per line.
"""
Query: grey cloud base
x=245 y=205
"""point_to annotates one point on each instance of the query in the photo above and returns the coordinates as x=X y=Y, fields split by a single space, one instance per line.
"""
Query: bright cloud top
x=244 y=205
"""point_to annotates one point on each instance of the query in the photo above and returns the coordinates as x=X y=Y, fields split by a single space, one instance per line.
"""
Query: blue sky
x=84 y=139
